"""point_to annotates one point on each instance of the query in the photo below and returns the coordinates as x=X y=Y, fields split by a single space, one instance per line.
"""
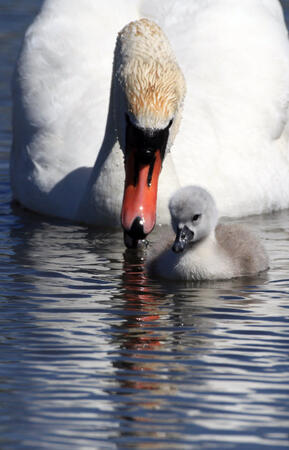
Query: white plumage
x=233 y=136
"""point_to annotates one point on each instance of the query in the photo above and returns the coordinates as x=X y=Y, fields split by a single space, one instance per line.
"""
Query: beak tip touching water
x=137 y=228
x=144 y=151
x=135 y=236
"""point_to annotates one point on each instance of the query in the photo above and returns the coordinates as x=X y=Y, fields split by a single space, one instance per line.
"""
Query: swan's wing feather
x=61 y=92
x=65 y=69
x=235 y=57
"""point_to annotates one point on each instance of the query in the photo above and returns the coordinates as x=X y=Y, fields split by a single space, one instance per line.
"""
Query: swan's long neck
x=146 y=98
x=102 y=199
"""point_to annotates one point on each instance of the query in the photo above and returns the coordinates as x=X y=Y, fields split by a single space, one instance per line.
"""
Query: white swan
x=70 y=135
x=202 y=250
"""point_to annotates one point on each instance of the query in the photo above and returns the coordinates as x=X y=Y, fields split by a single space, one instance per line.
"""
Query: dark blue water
x=95 y=355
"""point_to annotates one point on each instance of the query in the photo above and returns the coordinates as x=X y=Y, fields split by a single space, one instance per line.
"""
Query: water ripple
x=94 y=354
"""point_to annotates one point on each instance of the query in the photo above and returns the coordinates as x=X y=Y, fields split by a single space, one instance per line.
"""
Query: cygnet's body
x=202 y=249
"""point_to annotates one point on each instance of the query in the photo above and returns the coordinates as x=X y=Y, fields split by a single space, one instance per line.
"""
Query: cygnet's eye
x=196 y=217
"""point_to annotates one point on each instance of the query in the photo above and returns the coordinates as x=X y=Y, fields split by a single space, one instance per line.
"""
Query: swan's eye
x=145 y=141
x=196 y=217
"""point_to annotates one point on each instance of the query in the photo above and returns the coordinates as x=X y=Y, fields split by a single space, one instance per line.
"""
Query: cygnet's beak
x=183 y=238
x=144 y=154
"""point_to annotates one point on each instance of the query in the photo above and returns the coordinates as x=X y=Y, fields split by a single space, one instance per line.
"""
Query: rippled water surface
x=96 y=355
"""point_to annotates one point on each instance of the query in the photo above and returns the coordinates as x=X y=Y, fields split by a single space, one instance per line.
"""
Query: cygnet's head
x=193 y=214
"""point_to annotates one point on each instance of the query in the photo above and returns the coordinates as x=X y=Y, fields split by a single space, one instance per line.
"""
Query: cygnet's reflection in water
x=164 y=343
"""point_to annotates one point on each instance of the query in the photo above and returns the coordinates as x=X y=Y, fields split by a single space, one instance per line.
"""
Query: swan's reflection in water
x=102 y=354
x=144 y=358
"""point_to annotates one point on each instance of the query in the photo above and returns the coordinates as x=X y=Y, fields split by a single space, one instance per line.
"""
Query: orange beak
x=144 y=154
x=138 y=214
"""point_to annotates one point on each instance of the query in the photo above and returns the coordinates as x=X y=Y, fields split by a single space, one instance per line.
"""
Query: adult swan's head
x=148 y=93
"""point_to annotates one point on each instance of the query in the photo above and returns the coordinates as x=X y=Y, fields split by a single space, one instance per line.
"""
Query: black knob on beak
x=135 y=234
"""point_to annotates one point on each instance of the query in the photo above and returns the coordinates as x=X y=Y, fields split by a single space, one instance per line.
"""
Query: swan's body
x=67 y=156
x=202 y=250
